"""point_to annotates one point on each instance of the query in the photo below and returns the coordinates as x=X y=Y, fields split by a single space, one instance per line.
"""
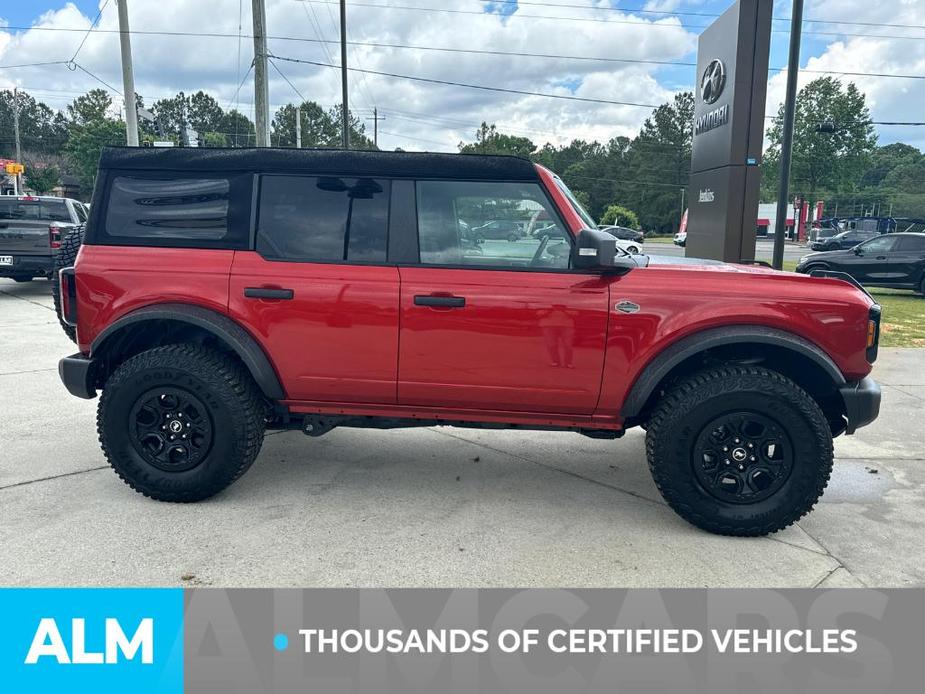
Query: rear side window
x=34 y=210
x=912 y=244
x=323 y=219
x=187 y=211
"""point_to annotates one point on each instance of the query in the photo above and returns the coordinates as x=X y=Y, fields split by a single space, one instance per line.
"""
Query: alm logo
x=48 y=643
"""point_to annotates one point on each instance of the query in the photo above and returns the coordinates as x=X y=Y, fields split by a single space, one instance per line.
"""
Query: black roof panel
x=323 y=161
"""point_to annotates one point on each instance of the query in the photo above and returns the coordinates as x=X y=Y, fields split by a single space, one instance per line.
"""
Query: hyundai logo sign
x=712 y=81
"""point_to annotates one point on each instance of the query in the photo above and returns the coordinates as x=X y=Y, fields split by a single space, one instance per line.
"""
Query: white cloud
x=166 y=64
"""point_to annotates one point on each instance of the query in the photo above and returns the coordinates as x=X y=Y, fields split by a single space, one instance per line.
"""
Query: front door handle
x=440 y=301
x=267 y=293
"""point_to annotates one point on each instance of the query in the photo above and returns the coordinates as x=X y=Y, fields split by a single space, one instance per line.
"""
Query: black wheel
x=633 y=249
x=180 y=422
x=66 y=256
x=816 y=266
x=739 y=450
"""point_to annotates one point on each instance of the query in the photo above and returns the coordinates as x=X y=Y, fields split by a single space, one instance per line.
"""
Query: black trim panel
x=76 y=372
x=862 y=403
x=403 y=224
x=241 y=341
x=687 y=347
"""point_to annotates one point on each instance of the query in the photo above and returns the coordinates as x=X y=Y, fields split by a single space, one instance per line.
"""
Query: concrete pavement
x=764 y=249
x=429 y=507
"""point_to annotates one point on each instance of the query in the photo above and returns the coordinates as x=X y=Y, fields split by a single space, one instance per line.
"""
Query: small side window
x=323 y=219
x=180 y=210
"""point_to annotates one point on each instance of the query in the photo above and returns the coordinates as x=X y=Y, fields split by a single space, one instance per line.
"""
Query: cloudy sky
x=421 y=115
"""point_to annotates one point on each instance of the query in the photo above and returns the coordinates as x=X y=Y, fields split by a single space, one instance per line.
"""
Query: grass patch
x=659 y=239
x=903 y=322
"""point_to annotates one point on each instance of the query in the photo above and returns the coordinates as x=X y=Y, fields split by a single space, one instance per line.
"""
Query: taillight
x=873 y=332
x=54 y=237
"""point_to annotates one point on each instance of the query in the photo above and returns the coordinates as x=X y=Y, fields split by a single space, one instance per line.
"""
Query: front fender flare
x=656 y=370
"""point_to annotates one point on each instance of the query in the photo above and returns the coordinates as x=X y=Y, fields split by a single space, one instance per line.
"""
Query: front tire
x=180 y=422
x=739 y=450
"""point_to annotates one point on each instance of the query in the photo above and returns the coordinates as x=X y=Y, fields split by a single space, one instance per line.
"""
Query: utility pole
x=128 y=77
x=261 y=90
x=786 y=147
x=345 y=117
x=17 y=179
x=298 y=127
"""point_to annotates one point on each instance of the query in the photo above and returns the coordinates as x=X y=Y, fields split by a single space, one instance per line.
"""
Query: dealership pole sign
x=728 y=129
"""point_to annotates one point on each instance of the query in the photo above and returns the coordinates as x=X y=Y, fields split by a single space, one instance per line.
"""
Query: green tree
x=658 y=164
x=489 y=141
x=172 y=115
x=85 y=144
x=823 y=162
x=92 y=106
x=620 y=216
x=40 y=128
x=41 y=177
x=237 y=129
x=205 y=113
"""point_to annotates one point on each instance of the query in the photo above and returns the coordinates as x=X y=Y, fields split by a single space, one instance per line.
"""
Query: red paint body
x=533 y=348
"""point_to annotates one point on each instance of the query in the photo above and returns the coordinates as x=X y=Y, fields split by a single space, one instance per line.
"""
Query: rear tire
x=633 y=249
x=181 y=422
x=739 y=450
x=67 y=255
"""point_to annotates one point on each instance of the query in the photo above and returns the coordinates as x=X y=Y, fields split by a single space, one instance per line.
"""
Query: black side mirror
x=858 y=251
x=597 y=250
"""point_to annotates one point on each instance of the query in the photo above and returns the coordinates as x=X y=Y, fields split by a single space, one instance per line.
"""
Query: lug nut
x=751 y=445
x=741 y=467
x=737 y=440
x=752 y=458
x=725 y=448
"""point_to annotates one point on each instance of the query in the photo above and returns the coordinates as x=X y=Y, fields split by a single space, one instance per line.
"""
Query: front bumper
x=28 y=266
x=77 y=374
x=862 y=403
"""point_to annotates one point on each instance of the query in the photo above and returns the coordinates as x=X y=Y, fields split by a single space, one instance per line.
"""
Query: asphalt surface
x=428 y=507
x=763 y=250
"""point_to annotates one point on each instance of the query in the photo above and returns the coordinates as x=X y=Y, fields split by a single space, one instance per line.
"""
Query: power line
x=98 y=79
x=87 y=35
x=472 y=86
x=641 y=23
x=294 y=88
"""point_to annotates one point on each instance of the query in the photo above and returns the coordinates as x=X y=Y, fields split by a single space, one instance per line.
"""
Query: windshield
x=579 y=210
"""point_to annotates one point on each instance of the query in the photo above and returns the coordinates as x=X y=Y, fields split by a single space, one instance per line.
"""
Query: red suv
x=220 y=293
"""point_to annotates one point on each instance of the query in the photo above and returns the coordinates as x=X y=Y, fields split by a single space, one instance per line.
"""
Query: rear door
x=317 y=291
x=498 y=325
x=907 y=261
x=24 y=224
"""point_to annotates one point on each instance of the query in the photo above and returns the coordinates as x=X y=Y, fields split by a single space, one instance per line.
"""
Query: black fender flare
x=656 y=370
x=223 y=327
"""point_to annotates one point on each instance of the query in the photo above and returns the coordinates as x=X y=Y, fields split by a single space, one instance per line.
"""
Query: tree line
x=639 y=182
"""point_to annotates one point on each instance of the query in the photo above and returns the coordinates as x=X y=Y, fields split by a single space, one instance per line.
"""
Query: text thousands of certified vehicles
x=312 y=257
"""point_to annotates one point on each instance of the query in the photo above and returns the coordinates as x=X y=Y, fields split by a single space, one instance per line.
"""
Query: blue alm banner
x=91 y=640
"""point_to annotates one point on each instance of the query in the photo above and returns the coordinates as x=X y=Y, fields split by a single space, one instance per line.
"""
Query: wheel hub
x=171 y=429
x=742 y=457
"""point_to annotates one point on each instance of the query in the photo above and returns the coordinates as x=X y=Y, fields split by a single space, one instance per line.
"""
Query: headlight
x=803 y=259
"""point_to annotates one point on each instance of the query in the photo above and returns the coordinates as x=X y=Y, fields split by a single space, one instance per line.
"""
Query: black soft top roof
x=323 y=161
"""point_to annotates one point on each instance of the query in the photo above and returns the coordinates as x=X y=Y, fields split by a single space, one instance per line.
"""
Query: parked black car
x=624 y=233
x=889 y=260
x=842 y=241
x=509 y=229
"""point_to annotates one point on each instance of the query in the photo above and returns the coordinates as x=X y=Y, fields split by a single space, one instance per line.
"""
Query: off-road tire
x=234 y=405
x=66 y=256
x=687 y=408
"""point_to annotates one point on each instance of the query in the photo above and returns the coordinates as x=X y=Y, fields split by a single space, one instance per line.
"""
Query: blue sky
x=437 y=114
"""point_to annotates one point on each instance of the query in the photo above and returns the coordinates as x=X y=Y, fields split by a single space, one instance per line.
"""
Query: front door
x=498 y=324
x=871 y=262
x=316 y=291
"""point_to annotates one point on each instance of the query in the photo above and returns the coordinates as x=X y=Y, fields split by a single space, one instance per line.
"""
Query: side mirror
x=858 y=251
x=597 y=250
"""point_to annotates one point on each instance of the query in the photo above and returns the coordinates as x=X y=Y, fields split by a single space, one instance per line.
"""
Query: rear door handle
x=267 y=293
x=442 y=301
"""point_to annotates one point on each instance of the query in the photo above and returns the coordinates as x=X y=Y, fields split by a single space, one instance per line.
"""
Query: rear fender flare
x=221 y=326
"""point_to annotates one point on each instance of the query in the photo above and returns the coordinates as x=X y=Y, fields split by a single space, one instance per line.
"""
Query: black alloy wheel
x=742 y=457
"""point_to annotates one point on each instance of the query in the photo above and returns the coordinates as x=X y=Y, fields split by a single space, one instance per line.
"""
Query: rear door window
x=912 y=244
x=323 y=219
x=34 y=210
x=182 y=210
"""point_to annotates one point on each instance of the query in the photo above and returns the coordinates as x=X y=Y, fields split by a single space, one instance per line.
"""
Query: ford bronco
x=221 y=293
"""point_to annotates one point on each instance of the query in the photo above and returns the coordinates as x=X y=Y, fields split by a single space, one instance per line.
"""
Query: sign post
x=732 y=70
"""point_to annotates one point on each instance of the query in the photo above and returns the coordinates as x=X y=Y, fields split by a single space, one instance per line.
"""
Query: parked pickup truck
x=221 y=293
x=31 y=228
